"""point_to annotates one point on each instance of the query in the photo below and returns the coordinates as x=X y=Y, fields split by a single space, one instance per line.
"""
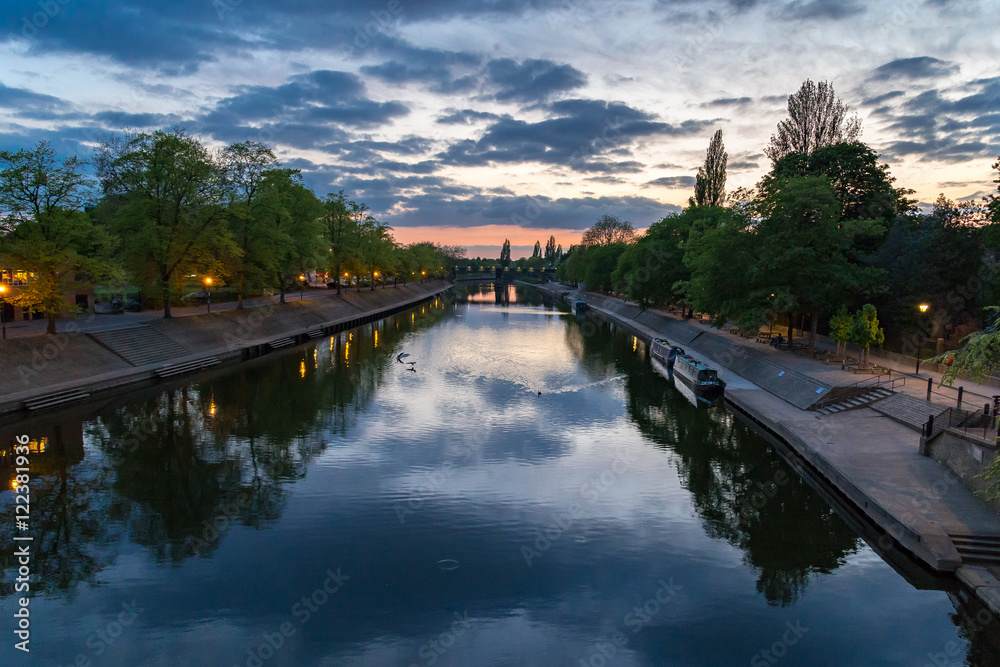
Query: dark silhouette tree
x=710 y=184
x=816 y=118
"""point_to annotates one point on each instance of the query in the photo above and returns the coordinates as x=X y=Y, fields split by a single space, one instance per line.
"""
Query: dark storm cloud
x=24 y=103
x=674 y=182
x=913 y=68
x=442 y=71
x=579 y=132
x=531 y=80
x=310 y=110
x=948 y=125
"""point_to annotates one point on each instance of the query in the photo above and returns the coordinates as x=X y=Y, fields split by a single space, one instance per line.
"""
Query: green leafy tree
x=42 y=227
x=720 y=253
x=164 y=197
x=865 y=332
x=710 y=184
x=977 y=359
x=375 y=247
x=297 y=218
x=840 y=329
x=816 y=118
x=602 y=260
x=341 y=218
x=803 y=248
x=650 y=270
x=245 y=166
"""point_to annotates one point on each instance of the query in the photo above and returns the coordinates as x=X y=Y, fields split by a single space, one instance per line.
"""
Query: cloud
x=28 y=104
x=672 y=182
x=727 y=102
x=465 y=117
x=310 y=110
x=913 y=68
x=821 y=9
x=531 y=80
x=577 y=135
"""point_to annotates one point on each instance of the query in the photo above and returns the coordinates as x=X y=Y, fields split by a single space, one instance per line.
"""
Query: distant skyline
x=469 y=122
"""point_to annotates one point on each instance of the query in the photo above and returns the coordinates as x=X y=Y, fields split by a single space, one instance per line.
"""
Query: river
x=522 y=488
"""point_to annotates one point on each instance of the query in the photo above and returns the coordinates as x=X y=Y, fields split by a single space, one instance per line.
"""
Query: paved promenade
x=871 y=459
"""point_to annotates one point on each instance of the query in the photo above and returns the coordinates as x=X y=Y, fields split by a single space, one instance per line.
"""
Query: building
x=82 y=297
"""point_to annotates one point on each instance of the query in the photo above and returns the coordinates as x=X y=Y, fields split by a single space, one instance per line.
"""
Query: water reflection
x=446 y=491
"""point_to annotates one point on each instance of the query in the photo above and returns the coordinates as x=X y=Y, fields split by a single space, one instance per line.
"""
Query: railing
x=979 y=423
x=860 y=388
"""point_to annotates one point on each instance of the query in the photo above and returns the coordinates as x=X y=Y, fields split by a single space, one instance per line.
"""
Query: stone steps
x=141 y=345
x=55 y=399
x=171 y=370
x=908 y=410
x=983 y=549
x=855 y=402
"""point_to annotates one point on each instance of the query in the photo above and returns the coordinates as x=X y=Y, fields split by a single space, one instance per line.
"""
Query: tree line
x=823 y=233
x=161 y=210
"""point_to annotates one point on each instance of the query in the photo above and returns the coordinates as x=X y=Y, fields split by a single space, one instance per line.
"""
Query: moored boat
x=581 y=307
x=701 y=378
x=665 y=352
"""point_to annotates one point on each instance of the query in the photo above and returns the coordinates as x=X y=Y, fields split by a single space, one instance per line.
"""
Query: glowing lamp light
x=208 y=281
x=13 y=483
x=924 y=307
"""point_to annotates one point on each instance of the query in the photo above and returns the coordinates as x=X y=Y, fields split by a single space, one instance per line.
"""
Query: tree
x=979 y=357
x=559 y=252
x=840 y=329
x=609 y=230
x=602 y=260
x=297 y=217
x=341 y=219
x=650 y=270
x=816 y=118
x=537 y=252
x=864 y=187
x=550 y=249
x=42 y=229
x=244 y=168
x=803 y=249
x=720 y=254
x=866 y=332
x=374 y=247
x=710 y=184
x=505 y=254
x=164 y=198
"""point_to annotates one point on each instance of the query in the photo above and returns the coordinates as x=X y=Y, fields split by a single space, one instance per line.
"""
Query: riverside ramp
x=48 y=371
x=869 y=459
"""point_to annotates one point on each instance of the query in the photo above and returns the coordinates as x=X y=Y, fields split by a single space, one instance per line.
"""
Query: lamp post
x=3 y=306
x=924 y=307
x=302 y=289
x=208 y=290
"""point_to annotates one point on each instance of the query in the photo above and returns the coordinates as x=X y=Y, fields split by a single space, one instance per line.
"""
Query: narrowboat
x=665 y=352
x=581 y=307
x=702 y=379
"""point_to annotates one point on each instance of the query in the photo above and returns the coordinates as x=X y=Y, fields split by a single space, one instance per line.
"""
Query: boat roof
x=694 y=362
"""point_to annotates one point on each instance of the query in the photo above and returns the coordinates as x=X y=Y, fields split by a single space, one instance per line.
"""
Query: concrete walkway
x=872 y=460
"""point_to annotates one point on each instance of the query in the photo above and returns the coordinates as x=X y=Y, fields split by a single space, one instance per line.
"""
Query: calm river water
x=528 y=491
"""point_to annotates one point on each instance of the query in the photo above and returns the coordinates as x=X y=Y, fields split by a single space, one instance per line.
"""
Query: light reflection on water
x=218 y=506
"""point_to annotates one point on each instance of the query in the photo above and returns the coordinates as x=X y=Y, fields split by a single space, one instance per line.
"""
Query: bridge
x=487 y=272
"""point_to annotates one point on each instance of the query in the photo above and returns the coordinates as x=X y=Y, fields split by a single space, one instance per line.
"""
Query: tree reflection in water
x=743 y=490
x=172 y=471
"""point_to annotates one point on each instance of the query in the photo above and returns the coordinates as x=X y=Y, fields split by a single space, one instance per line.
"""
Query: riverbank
x=871 y=458
x=46 y=371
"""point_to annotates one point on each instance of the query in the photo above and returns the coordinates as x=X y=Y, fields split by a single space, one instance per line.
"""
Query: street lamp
x=923 y=308
x=303 y=288
x=208 y=291
x=3 y=306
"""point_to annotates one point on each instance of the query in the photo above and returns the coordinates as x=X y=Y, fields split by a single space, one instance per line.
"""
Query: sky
x=470 y=121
